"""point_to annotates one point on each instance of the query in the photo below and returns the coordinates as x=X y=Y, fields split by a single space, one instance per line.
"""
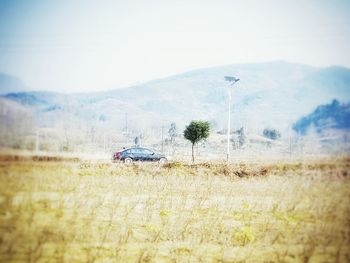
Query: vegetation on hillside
x=330 y=116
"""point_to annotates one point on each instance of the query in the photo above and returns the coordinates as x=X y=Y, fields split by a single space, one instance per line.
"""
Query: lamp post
x=232 y=81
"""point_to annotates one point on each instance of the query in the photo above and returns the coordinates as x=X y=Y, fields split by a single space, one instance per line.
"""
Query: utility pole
x=37 y=143
x=232 y=81
x=104 y=142
x=290 y=146
x=162 y=139
x=126 y=130
x=228 y=126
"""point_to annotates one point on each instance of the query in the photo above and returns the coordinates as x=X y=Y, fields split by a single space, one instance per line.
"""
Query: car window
x=141 y=151
x=136 y=151
x=146 y=151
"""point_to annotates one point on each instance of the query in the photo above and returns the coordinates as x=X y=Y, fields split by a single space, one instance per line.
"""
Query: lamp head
x=231 y=79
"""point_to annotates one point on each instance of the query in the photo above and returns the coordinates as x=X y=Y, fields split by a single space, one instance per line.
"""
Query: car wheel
x=162 y=160
x=128 y=161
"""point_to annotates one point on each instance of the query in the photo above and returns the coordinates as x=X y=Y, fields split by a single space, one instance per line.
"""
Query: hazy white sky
x=96 y=45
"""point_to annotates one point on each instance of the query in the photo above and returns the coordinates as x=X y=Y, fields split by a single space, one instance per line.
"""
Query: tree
x=172 y=132
x=196 y=131
x=137 y=141
x=241 y=137
x=272 y=134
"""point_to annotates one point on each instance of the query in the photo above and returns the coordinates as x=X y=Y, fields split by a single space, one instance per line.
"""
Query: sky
x=82 y=46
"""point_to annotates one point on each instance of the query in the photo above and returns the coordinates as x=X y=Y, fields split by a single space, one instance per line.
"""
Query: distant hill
x=10 y=83
x=27 y=99
x=331 y=116
x=274 y=94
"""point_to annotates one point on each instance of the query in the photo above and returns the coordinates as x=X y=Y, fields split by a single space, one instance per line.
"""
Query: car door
x=126 y=154
x=149 y=155
x=142 y=154
x=135 y=152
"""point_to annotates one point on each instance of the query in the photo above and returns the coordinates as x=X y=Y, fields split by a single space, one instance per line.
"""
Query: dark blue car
x=138 y=154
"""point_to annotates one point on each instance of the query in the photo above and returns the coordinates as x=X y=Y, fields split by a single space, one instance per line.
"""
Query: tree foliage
x=196 y=131
x=272 y=134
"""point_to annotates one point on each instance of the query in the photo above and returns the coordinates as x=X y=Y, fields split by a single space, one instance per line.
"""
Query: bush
x=272 y=134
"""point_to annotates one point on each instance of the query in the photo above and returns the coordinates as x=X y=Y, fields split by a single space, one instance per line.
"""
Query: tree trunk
x=192 y=152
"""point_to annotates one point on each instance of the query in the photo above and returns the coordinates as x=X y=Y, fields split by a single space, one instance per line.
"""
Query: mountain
x=330 y=116
x=10 y=83
x=274 y=94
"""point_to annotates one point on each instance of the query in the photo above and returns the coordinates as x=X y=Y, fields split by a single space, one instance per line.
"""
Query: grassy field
x=74 y=211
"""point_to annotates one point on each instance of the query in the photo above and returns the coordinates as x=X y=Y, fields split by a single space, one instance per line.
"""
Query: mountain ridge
x=280 y=92
x=10 y=83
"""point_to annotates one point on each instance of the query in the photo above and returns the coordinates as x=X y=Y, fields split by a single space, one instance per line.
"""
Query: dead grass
x=209 y=212
x=36 y=158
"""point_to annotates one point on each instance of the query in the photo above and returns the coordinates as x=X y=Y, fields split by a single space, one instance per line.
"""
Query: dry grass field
x=74 y=211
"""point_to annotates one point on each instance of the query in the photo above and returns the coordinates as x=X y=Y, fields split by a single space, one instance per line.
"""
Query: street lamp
x=232 y=81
